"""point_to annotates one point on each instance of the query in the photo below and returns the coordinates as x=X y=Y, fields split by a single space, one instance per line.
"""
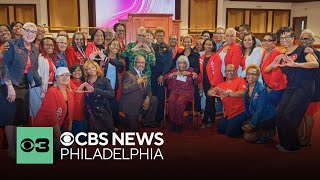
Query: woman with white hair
x=230 y=52
x=62 y=45
x=19 y=71
x=181 y=86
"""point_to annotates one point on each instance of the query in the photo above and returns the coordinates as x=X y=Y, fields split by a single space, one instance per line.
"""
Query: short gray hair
x=29 y=24
x=182 y=59
x=234 y=32
x=308 y=31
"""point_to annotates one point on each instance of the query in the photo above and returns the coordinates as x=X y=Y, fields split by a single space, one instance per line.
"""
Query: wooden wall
x=18 y=12
x=202 y=15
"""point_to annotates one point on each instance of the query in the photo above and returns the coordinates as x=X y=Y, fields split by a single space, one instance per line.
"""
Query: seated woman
x=181 y=87
x=97 y=102
x=57 y=107
x=260 y=111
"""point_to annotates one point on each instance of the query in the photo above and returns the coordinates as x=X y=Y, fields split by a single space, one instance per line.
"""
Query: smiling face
x=140 y=63
x=17 y=29
x=91 y=70
x=187 y=42
x=173 y=40
x=219 y=35
x=114 y=47
x=5 y=34
x=79 y=40
x=120 y=30
x=63 y=79
x=159 y=37
x=48 y=46
x=230 y=37
x=208 y=46
x=230 y=72
x=182 y=65
x=77 y=73
x=286 y=40
x=62 y=43
x=98 y=38
x=40 y=33
x=248 y=41
x=29 y=34
x=149 y=38
x=267 y=42
x=306 y=40
x=252 y=75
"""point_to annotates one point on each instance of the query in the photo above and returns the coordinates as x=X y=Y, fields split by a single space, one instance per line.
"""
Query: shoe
x=305 y=142
x=208 y=125
x=262 y=140
x=179 y=128
x=282 y=149
x=154 y=124
x=173 y=127
x=203 y=125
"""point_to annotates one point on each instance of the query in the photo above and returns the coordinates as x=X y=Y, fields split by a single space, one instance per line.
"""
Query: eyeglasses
x=49 y=45
x=230 y=71
x=267 y=40
x=286 y=38
x=141 y=35
x=140 y=62
x=119 y=30
x=62 y=43
x=30 y=31
x=173 y=39
x=219 y=33
x=252 y=74
x=305 y=39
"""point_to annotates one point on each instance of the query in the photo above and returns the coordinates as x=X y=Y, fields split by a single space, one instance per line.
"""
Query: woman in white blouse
x=250 y=54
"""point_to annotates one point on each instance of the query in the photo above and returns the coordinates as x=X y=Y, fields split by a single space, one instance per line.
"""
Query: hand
x=4 y=47
x=308 y=50
x=136 y=47
x=146 y=103
x=142 y=79
x=194 y=75
x=269 y=89
x=185 y=73
x=212 y=91
x=161 y=80
x=11 y=93
x=276 y=61
x=146 y=48
x=288 y=61
x=247 y=128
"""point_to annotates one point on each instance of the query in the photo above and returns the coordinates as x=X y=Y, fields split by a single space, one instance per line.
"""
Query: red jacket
x=275 y=79
x=213 y=69
x=78 y=113
x=91 y=47
x=74 y=56
x=53 y=109
x=233 y=55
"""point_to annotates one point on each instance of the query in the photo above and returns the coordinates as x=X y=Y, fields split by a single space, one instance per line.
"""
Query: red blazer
x=275 y=79
x=213 y=69
x=53 y=109
x=74 y=56
x=91 y=47
x=233 y=55
x=78 y=113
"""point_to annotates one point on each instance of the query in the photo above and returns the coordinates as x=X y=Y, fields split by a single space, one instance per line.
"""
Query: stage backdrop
x=108 y=12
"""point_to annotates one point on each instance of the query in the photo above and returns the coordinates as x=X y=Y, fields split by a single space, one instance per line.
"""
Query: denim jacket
x=259 y=109
x=61 y=60
x=15 y=61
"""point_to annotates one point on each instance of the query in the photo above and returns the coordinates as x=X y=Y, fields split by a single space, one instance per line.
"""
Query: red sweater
x=74 y=56
x=53 y=110
x=275 y=79
x=213 y=69
x=233 y=55
x=78 y=113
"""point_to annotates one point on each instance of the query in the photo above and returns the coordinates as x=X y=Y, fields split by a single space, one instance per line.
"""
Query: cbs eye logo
x=40 y=145
x=67 y=139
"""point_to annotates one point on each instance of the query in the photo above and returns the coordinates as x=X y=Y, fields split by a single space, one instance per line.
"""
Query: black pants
x=197 y=99
x=210 y=110
x=290 y=111
x=159 y=92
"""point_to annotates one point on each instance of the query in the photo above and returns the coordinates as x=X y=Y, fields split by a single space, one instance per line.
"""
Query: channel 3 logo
x=34 y=145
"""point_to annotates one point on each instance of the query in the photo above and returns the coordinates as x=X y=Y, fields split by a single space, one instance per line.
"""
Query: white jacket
x=254 y=58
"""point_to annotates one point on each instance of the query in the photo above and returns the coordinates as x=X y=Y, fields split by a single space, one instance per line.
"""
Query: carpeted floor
x=194 y=154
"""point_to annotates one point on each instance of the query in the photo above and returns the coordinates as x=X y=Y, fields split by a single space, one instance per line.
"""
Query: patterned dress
x=149 y=57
